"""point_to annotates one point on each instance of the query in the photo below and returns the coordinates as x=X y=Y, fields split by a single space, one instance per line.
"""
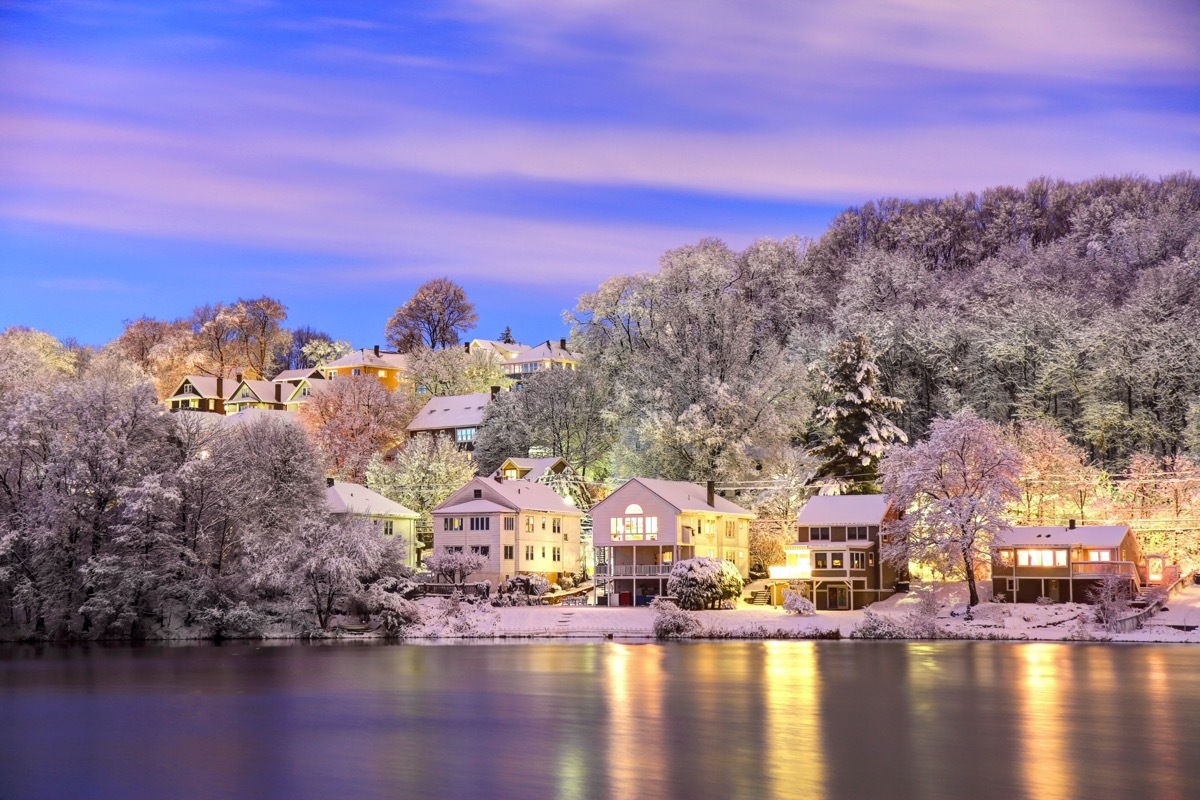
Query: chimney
x=279 y=393
x=499 y=478
x=220 y=387
x=1071 y=525
x=712 y=493
x=239 y=377
x=562 y=344
x=377 y=351
x=495 y=392
x=467 y=348
x=329 y=481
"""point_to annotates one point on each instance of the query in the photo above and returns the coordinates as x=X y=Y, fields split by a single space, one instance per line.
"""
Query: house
x=1064 y=563
x=201 y=393
x=392 y=519
x=837 y=551
x=533 y=469
x=538 y=358
x=503 y=350
x=391 y=368
x=267 y=395
x=295 y=376
x=458 y=416
x=645 y=526
x=519 y=526
x=296 y=393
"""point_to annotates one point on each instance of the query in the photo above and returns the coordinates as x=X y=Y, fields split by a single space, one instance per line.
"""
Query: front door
x=839 y=598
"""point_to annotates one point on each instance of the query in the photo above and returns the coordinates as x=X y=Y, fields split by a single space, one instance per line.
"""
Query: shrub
x=521 y=590
x=704 y=582
x=673 y=622
x=798 y=603
x=878 y=626
x=1044 y=601
x=566 y=581
x=399 y=616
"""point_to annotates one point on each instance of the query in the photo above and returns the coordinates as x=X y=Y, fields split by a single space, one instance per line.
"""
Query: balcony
x=631 y=571
x=1086 y=568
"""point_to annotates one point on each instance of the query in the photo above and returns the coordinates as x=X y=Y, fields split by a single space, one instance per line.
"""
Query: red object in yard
x=625 y=598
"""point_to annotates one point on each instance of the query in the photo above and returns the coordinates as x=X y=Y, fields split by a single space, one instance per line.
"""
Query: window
x=634 y=529
x=508 y=552
x=510 y=523
x=454 y=549
x=1004 y=558
x=481 y=523
x=543 y=552
x=356 y=371
x=730 y=528
x=332 y=374
x=870 y=559
x=858 y=561
x=482 y=550
x=529 y=552
x=529 y=526
x=820 y=560
x=819 y=534
x=1099 y=555
x=452 y=523
x=478 y=493
x=556 y=525
x=464 y=435
x=388 y=527
x=543 y=523
x=557 y=554
x=837 y=560
x=856 y=533
x=1041 y=558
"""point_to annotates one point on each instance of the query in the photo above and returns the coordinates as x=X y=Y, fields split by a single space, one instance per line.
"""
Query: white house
x=521 y=527
x=392 y=518
x=646 y=525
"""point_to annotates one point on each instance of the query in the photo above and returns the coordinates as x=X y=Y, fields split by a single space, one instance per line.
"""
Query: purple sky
x=155 y=156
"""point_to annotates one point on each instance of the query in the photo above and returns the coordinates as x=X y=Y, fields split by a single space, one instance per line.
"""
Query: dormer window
x=478 y=493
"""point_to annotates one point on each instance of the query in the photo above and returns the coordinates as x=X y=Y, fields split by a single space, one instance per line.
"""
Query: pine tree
x=859 y=430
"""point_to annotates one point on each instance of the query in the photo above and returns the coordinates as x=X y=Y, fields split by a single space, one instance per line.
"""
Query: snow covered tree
x=953 y=489
x=454 y=371
x=354 y=418
x=454 y=566
x=425 y=470
x=1110 y=598
x=1056 y=482
x=433 y=317
x=704 y=582
x=856 y=414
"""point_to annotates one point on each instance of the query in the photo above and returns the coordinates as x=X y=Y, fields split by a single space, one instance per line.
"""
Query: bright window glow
x=1099 y=555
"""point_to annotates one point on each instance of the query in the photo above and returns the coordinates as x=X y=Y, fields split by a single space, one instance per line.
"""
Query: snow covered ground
x=1059 y=622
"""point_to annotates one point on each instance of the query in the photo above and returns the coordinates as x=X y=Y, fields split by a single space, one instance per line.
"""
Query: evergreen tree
x=859 y=430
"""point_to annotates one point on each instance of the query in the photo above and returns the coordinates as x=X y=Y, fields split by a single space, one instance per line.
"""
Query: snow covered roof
x=250 y=416
x=453 y=411
x=353 y=498
x=546 y=351
x=531 y=468
x=686 y=496
x=205 y=385
x=844 y=509
x=289 y=375
x=1060 y=536
x=472 y=506
x=518 y=495
x=367 y=357
x=260 y=391
x=499 y=348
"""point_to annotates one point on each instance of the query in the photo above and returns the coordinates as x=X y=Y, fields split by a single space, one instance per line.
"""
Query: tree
x=953 y=489
x=856 y=413
x=311 y=349
x=433 y=317
x=1110 y=597
x=352 y=419
x=704 y=582
x=506 y=336
x=454 y=566
x=426 y=469
x=263 y=341
x=454 y=371
x=1055 y=480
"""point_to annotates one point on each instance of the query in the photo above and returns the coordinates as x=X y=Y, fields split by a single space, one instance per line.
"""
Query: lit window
x=820 y=560
x=464 y=435
x=529 y=526
x=837 y=560
x=1099 y=555
x=858 y=561
x=452 y=523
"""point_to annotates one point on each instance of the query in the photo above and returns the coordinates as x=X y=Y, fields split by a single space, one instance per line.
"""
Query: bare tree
x=433 y=317
x=353 y=418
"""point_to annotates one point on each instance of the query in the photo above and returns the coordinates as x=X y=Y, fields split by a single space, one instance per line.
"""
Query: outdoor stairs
x=1144 y=597
x=759 y=597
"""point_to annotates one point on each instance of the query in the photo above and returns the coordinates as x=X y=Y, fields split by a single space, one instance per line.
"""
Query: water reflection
x=604 y=720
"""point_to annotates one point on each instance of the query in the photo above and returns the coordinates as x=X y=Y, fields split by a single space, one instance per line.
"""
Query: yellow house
x=392 y=519
x=390 y=368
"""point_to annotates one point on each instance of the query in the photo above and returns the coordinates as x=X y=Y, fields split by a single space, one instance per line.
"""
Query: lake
x=602 y=720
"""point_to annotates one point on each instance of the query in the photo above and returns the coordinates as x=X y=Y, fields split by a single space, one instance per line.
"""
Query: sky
x=161 y=155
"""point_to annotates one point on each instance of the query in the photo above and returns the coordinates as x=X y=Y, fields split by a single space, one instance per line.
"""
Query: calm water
x=720 y=720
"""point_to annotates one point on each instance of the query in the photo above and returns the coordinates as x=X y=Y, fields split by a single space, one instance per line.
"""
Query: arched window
x=633 y=508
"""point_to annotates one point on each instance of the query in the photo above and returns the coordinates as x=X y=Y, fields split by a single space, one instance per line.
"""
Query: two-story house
x=390 y=368
x=837 y=551
x=391 y=518
x=521 y=527
x=645 y=526
x=201 y=393
x=1064 y=563
x=458 y=416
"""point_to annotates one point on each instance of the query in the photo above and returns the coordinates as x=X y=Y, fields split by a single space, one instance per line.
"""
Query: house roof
x=534 y=468
x=453 y=411
x=519 y=495
x=1058 y=535
x=289 y=375
x=844 y=509
x=683 y=496
x=354 y=498
x=501 y=349
x=365 y=357
x=546 y=351
x=472 y=505
x=264 y=392
x=206 y=386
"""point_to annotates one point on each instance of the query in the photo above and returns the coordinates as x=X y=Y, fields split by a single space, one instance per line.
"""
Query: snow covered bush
x=238 y=621
x=1044 y=601
x=566 y=581
x=454 y=566
x=704 y=582
x=1110 y=599
x=921 y=619
x=673 y=622
x=521 y=590
x=798 y=603
x=878 y=626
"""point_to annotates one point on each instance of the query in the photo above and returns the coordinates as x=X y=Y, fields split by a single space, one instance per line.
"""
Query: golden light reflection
x=924 y=679
x=795 y=760
x=1043 y=685
x=635 y=715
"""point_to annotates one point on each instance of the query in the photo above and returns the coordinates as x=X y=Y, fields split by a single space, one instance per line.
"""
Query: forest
x=1065 y=314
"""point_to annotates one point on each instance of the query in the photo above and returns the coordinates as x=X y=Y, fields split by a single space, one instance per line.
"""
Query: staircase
x=759 y=597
